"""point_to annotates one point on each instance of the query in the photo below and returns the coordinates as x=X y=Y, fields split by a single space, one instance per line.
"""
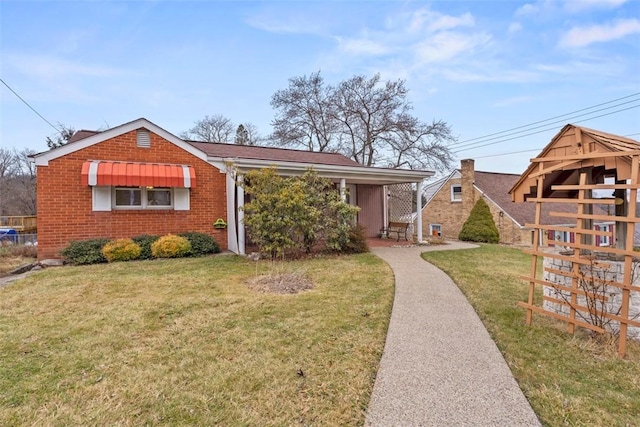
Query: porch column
x=343 y=189
x=385 y=206
x=241 y=233
x=232 y=229
x=419 y=209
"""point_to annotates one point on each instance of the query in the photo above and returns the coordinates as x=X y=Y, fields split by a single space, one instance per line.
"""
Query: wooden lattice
x=401 y=202
x=569 y=170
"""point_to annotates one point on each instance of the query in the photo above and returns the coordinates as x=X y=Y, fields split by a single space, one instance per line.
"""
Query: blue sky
x=482 y=66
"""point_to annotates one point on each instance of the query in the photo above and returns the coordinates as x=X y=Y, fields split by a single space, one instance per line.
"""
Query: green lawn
x=569 y=380
x=186 y=342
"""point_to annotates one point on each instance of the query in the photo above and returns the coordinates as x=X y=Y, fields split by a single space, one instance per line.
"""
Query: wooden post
x=628 y=259
x=536 y=243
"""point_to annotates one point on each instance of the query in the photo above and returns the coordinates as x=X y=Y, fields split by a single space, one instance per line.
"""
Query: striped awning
x=133 y=174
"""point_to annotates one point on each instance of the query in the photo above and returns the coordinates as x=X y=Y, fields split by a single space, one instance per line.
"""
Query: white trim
x=241 y=227
x=232 y=230
x=453 y=199
x=354 y=174
x=419 y=217
x=43 y=159
x=187 y=176
x=93 y=172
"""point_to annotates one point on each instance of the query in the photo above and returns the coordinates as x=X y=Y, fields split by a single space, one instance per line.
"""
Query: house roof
x=242 y=158
x=82 y=134
x=496 y=187
x=233 y=151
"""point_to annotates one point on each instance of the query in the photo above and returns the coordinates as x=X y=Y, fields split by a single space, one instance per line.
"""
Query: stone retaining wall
x=602 y=270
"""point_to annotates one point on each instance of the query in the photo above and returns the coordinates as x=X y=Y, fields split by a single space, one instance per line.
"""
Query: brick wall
x=64 y=204
x=451 y=215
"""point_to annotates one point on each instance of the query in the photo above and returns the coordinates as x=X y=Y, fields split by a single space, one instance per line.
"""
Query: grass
x=569 y=380
x=186 y=342
x=14 y=256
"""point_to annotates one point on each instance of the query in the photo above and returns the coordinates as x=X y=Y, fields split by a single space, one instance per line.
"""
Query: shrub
x=83 y=252
x=479 y=227
x=201 y=243
x=357 y=242
x=121 y=250
x=145 y=241
x=171 y=246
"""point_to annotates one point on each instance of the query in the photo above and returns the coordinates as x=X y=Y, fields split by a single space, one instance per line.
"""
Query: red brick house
x=450 y=200
x=137 y=178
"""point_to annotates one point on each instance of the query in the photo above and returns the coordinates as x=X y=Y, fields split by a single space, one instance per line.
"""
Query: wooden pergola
x=576 y=163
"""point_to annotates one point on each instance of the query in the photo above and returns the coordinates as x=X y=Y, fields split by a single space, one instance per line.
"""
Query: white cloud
x=428 y=20
x=300 y=23
x=361 y=46
x=536 y=8
x=584 y=36
x=514 y=27
x=580 y=5
x=447 y=45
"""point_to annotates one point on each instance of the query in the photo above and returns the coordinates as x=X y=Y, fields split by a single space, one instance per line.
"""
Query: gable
x=42 y=159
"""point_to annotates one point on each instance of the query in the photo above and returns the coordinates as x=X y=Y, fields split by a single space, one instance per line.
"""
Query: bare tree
x=17 y=183
x=61 y=138
x=253 y=136
x=364 y=118
x=305 y=117
x=215 y=128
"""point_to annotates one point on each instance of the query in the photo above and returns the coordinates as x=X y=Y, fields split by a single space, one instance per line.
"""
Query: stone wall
x=601 y=271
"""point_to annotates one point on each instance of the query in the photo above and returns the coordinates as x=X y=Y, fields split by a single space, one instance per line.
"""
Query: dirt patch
x=288 y=283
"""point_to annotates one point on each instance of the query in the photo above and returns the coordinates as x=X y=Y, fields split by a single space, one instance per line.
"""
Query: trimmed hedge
x=201 y=243
x=171 y=246
x=121 y=250
x=84 y=252
x=145 y=241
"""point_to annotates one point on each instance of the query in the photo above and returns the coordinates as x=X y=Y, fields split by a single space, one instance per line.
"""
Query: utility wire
x=27 y=104
x=508 y=154
x=549 y=119
x=547 y=124
x=541 y=131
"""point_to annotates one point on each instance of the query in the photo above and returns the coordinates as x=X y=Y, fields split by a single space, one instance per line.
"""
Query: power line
x=541 y=131
x=548 y=124
x=27 y=104
x=508 y=154
x=546 y=120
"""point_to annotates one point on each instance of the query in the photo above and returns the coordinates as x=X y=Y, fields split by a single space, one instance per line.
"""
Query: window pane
x=128 y=197
x=456 y=192
x=158 y=197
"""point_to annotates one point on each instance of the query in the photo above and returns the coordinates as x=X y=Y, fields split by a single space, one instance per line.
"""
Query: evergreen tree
x=479 y=227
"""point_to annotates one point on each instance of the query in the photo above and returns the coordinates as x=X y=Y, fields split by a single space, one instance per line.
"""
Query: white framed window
x=456 y=193
x=435 y=230
x=105 y=198
x=142 y=198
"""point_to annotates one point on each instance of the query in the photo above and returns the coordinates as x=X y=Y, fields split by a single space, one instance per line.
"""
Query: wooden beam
x=560 y=317
x=560 y=166
x=588 y=201
x=627 y=219
x=592 y=155
x=574 y=187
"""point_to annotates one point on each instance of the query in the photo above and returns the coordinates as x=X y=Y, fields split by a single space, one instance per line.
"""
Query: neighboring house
x=450 y=200
x=137 y=178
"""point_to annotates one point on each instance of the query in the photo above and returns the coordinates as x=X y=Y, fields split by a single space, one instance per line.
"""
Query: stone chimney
x=467 y=180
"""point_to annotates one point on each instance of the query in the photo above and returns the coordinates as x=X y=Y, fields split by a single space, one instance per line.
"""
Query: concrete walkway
x=440 y=366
